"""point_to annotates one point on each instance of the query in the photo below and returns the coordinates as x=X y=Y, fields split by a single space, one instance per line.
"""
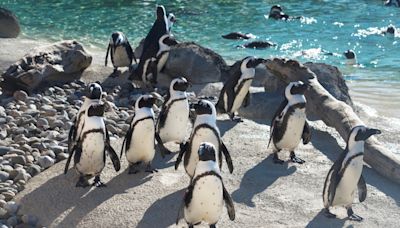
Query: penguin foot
x=164 y=151
x=133 y=169
x=235 y=118
x=328 y=214
x=352 y=216
x=150 y=169
x=115 y=73
x=98 y=183
x=276 y=160
x=213 y=226
x=296 y=159
x=82 y=182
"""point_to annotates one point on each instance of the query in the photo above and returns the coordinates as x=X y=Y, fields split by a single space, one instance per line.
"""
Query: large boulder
x=9 y=26
x=196 y=63
x=58 y=63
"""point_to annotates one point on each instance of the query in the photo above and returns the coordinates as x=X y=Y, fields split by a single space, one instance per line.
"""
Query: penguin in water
x=139 y=141
x=238 y=36
x=289 y=124
x=173 y=119
x=206 y=194
x=276 y=12
x=346 y=174
x=204 y=130
x=395 y=3
x=121 y=52
x=88 y=140
x=390 y=31
x=257 y=45
x=151 y=45
x=235 y=92
x=171 y=19
x=351 y=58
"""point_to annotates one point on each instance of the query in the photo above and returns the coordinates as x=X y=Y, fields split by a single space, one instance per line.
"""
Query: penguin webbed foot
x=82 y=182
x=115 y=73
x=235 y=118
x=296 y=159
x=164 y=151
x=132 y=168
x=329 y=214
x=276 y=159
x=352 y=216
x=97 y=182
x=150 y=169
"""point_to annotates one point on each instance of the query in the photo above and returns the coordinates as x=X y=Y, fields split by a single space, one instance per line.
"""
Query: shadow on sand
x=320 y=220
x=259 y=178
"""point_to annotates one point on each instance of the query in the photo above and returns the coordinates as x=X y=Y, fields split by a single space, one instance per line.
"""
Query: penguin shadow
x=320 y=220
x=328 y=145
x=58 y=195
x=163 y=212
x=259 y=178
x=162 y=163
x=226 y=125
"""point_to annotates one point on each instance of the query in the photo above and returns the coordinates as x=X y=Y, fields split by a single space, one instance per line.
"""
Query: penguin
x=235 y=92
x=171 y=19
x=151 y=45
x=204 y=198
x=346 y=174
x=139 y=140
x=121 y=52
x=237 y=36
x=351 y=58
x=173 y=119
x=204 y=130
x=88 y=140
x=276 y=12
x=395 y=3
x=289 y=124
x=390 y=31
x=257 y=45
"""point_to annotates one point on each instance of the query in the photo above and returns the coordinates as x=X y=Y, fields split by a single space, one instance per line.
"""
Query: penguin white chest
x=240 y=95
x=142 y=142
x=176 y=123
x=162 y=60
x=200 y=136
x=348 y=184
x=120 y=57
x=294 y=130
x=207 y=201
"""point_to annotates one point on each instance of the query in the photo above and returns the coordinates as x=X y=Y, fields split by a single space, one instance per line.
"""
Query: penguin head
x=117 y=38
x=179 y=84
x=359 y=134
x=295 y=88
x=206 y=152
x=276 y=9
x=145 y=101
x=162 y=16
x=252 y=62
x=171 y=19
x=94 y=91
x=391 y=30
x=349 y=54
x=204 y=107
x=167 y=40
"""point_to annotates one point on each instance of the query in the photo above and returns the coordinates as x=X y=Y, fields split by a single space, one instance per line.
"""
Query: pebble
x=20 y=95
x=42 y=123
x=33 y=170
x=8 y=195
x=23 y=176
x=3 y=213
x=62 y=156
x=4 y=150
x=11 y=207
x=4 y=176
x=45 y=161
x=18 y=160
x=12 y=221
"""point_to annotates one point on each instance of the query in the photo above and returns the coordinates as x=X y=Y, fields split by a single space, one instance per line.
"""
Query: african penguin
x=151 y=42
x=139 y=141
x=236 y=89
x=395 y=3
x=173 y=119
x=121 y=52
x=204 y=130
x=204 y=198
x=257 y=45
x=88 y=140
x=345 y=175
x=171 y=19
x=351 y=58
x=237 y=36
x=276 y=12
x=289 y=124
x=390 y=30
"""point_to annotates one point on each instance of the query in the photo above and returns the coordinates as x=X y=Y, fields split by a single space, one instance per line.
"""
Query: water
x=333 y=26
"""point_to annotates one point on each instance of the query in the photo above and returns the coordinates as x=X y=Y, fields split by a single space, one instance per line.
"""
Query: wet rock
x=9 y=25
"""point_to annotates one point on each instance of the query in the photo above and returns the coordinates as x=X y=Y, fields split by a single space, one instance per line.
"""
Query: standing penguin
x=151 y=45
x=236 y=89
x=139 y=140
x=204 y=130
x=121 y=51
x=174 y=116
x=289 y=124
x=203 y=200
x=345 y=174
x=351 y=58
x=89 y=140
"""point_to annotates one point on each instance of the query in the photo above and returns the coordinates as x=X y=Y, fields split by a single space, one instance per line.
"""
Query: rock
x=20 y=95
x=29 y=219
x=22 y=176
x=9 y=25
x=20 y=159
x=4 y=176
x=196 y=63
x=33 y=170
x=3 y=213
x=8 y=195
x=11 y=207
x=42 y=123
x=45 y=161
x=57 y=63
x=12 y=221
x=62 y=156
x=4 y=150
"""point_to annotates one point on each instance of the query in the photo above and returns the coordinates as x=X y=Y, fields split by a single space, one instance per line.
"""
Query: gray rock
x=42 y=123
x=4 y=150
x=11 y=207
x=20 y=95
x=9 y=25
x=20 y=159
x=9 y=195
x=17 y=152
x=58 y=63
x=29 y=219
x=45 y=161
x=58 y=149
x=23 y=176
x=4 y=176
x=3 y=213
x=12 y=221
x=33 y=170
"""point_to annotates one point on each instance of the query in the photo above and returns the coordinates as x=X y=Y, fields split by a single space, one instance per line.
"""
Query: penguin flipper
x=228 y=158
x=130 y=52
x=220 y=103
x=113 y=155
x=108 y=50
x=72 y=132
x=306 y=136
x=228 y=203
x=247 y=99
x=71 y=152
x=180 y=155
x=362 y=189
x=336 y=176
x=128 y=137
x=276 y=120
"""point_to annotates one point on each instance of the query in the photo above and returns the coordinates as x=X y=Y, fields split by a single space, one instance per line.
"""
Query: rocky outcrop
x=196 y=63
x=9 y=25
x=53 y=64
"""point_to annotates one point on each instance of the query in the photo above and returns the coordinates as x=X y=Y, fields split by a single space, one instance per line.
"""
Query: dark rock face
x=9 y=25
x=54 y=64
x=196 y=63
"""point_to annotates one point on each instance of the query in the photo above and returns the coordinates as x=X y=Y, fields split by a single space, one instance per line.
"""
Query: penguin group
x=202 y=150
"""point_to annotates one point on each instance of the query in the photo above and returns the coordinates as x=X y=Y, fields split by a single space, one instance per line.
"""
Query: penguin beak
x=255 y=62
x=364 y=135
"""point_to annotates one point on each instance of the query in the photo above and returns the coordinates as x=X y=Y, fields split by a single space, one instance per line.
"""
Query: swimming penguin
x=204 y=130
x=345 y=175
x=276 y=12
x=173 y=120
x=257 y=45
x=351 y=58
x=151 y=42
x=171 y=19
x=121 y=52
x=236 y=89
x=88 y=140
x=206 y=194
x=390 y=30
x=139 y=141
x=238 y=36
x=395 y=3
x=289 y=124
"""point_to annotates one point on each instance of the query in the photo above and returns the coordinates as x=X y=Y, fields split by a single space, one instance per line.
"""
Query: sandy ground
x=264 y=194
